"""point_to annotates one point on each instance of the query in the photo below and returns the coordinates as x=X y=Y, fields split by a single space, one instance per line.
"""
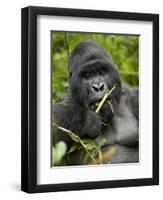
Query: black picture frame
x=29 y=98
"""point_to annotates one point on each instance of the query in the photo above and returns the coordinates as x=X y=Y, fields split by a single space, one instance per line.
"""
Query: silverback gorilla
x=92 y=73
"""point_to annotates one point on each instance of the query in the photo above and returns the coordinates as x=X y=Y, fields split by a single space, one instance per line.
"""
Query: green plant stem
x=104 y=99
x=75 y=138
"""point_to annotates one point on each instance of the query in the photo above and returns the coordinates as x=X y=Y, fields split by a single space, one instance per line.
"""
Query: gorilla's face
x=92 y=74
x=96 y=83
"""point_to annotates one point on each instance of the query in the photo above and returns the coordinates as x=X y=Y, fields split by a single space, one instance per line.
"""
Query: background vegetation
x=122 y=48
x=124 y=51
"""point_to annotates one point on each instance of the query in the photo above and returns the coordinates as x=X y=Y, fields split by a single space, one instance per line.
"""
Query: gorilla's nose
x=98 y=87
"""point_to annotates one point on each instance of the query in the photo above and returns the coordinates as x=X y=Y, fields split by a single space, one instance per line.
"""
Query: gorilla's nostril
x=95 y=88
x=98 y=87
x=101 y=87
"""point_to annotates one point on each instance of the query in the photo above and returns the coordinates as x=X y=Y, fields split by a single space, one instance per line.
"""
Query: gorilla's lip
x=95 y=101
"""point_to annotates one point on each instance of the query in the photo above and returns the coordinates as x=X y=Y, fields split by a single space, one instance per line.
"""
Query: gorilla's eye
x=102 y=71
x=86 y=75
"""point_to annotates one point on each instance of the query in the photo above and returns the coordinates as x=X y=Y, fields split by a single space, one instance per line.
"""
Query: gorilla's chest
x=123 y=129
x=122 y=133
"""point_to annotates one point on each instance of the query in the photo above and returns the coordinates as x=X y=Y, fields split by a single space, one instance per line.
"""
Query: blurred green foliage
x=124 y=50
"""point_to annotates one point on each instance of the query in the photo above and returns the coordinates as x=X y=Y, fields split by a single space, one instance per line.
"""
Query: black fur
x=92 y=74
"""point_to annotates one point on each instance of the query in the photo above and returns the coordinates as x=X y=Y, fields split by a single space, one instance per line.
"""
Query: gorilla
x=92 y=73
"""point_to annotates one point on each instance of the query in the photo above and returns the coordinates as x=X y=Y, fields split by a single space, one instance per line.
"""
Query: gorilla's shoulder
x=130 y=97
x=58 y=107
x=63 y=105
x=130 y=91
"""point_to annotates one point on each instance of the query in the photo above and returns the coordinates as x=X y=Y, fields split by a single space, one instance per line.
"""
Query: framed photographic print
x=90 y=99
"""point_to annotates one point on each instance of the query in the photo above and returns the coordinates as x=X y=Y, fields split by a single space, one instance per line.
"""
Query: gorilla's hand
x=93 y=125
x=106 y=112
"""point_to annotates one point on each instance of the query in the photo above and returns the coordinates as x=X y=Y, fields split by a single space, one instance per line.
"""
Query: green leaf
x=58 y=152
x=74 y=147
x=102 y=142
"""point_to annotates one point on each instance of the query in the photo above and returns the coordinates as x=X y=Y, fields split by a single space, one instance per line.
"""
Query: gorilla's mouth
x=97 y=104
x=94 y=104
x=94 y=99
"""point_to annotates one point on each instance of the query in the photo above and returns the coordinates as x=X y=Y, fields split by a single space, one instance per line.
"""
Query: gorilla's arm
x=134 y=102
x=126 y=120
x=125 y=154
x=76 y=119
